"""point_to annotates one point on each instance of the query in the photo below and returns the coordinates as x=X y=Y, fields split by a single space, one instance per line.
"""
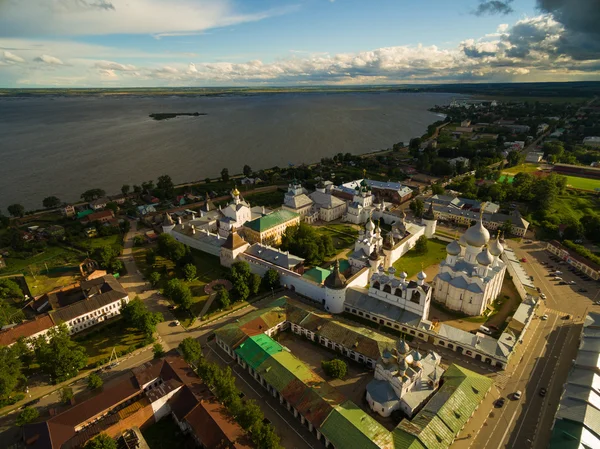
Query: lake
x=63 y=146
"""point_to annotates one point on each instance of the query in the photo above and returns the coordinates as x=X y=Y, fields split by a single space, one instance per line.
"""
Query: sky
x=198 y=43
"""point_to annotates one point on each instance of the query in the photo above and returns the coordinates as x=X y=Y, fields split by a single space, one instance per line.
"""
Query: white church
x=471 y=276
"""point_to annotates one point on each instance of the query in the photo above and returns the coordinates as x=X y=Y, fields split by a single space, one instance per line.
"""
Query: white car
x=517 y=394
x=542 y=296
x=544 y=317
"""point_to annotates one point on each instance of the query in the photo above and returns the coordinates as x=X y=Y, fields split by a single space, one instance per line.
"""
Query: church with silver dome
x=471 y=276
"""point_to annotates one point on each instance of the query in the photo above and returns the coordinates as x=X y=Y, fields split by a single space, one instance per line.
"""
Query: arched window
x=377 y=285
x=398 y=292
x=416 y=297
x=387 y=288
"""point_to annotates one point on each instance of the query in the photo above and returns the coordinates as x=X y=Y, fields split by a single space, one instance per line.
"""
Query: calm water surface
x=64 y=146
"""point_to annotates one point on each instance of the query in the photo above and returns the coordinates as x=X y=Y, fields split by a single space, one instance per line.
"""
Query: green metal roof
x=317 y=274
x=273 y=219
x=257 y=349
x=349 y=426
x=344 y=265
x=404 y=440
x=84 y=213
x=568 y=435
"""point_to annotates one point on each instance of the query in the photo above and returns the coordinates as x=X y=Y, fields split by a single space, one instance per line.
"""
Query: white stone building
x=471 y=276
x=362 y=205
x=404 y=380
x=296 y=200
x=329 y=207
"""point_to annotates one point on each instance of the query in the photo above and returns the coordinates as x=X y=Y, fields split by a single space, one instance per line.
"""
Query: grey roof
x=279 y=258
x=381 y=391
x=524 y=312
x=326 y=200
x=457 y=335
x=359 y=298
x=350 y=187
x=459 y=282
x=515 y=218
x=105 y=290
x=578 y=411
x=201 y=235
x=592 y=320
x=585 y=378
x=297 y=201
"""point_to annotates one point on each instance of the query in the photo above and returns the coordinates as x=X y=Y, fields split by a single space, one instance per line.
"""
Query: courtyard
x=353 y=386
x=412 y=262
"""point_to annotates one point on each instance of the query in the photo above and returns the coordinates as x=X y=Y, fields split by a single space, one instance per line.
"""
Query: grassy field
x=411 y=262
x=98 y=242
x=42 y=283
x=583 y=183
x=100 y=341
x=576 y=204
x=208 y=269
x=522 y=168
x=53 y=256
x=342 y=235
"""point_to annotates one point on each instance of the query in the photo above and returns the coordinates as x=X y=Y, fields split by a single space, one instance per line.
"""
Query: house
x=79 y=306
x=146 y=209
x=99 y=203
x=104 y=216
x=161 y=388
x=391 y=191
x=592 y=141
x=534 y=156
x=465 y=123
x=68 y=211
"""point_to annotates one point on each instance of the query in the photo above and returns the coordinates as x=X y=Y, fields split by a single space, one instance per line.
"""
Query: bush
x=335 y=368
x=158 y=350
x=421 y=245
x=29 y=414
x=66 y=394
x=223 y=299
x=94 y=381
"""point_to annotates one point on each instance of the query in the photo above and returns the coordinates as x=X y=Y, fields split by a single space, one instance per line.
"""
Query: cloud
x=114 y=66
x=101 y=17
x=47 y=59
x=492 y=7
x=11 y=57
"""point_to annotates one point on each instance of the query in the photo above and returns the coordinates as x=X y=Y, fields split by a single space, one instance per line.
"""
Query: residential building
x=269 y=228
x=102 y=217
x=592 y=141
x=328 y=206
x=463 y=160
x=534 y=157
x=79 y=306
x=146 y=209
x=161 y=388
x=581 y=263
x=99 y=203
x=393 y=192
x=471 y=276
x=577 y=424
x=68 y=211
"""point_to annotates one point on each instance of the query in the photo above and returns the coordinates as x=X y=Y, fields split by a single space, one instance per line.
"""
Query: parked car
x=543 y=392
x=597 y=303
x=499 y=402
x=517 y=394
x=539 y=290
x=566 y=317
x=523 y=259
x=543 y=296
x=563 y=283
x=544 y=317
x=582 y=290
x=572 y=282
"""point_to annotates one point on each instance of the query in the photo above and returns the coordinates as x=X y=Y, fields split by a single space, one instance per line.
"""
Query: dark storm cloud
x=474 y=52
x=581 y=16
x=493 y=7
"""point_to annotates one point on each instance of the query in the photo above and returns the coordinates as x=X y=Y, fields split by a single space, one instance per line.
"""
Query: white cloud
x=86 y=17
x=109 y=65
x=11 y=57
x=502 y=28
x=47 y=59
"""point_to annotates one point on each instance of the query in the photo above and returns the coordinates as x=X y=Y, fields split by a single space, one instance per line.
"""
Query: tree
x=223 y=298
x=106 y=255
x=170 y=248
x=250 y=415
x=189 y=271
x=304 y=241
x=113 y=206
x=58 y=355
x=437 y=189
x=191 y=350
x=51 y=202
x=66 y=395
x=4 y=221
x=271 y=278
x=150 y=257
x=264 y=436
x=255 y=281
x=102 y=441
x=335 y=368
x=158 y=350
x=138 y=316
x=415 y=143
x=139 y=240
x=243 y=291
x=125 y=189
x=29 y=414
x=154 y=278
x=94 y=381
x=514 y=158
x=421 y=245
x=166 y=185
x=247 y=170
x=16 y=210
x=179 y=293
x=92 y=194
x=418 y=207
x=10 y=370
x=9 y=289
x=225 y=388
x=137 y=189
x=506 y=227
x=225 y=175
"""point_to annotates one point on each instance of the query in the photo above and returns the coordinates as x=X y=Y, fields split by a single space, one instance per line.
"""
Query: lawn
x=583 y=183
x=100 y=340
x=576 y=204
x=510 y=178
x=342 y=235
x=164 y=434
x=522 y=168
x=42 y=283
x=99 y=242
x=52 y=256
x=412 y=262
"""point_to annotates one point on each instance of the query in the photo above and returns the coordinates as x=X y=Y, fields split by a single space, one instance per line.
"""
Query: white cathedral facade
x=471 y=276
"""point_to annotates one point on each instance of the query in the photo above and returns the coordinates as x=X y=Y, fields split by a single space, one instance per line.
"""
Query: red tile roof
x=26 y=329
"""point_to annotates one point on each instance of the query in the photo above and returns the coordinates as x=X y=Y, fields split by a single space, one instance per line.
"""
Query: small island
x=168 y=115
